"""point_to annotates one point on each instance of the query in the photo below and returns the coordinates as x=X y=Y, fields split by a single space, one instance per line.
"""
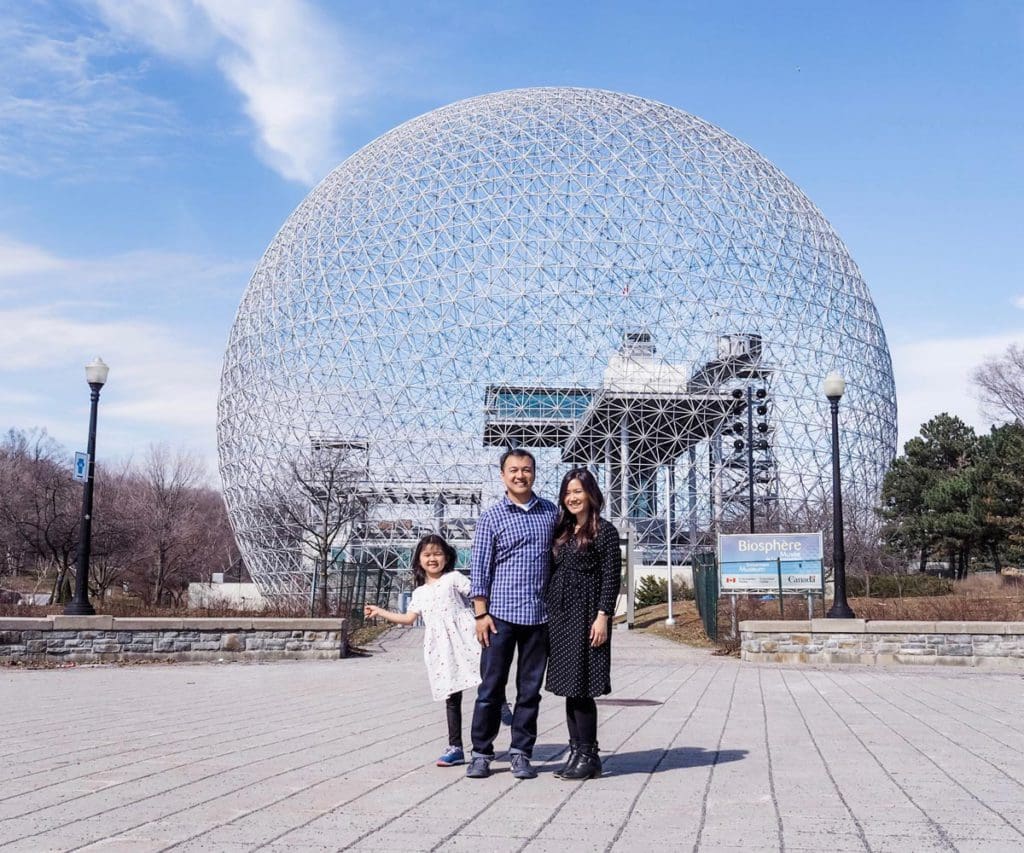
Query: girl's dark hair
x=567 y=521
x=450 y=556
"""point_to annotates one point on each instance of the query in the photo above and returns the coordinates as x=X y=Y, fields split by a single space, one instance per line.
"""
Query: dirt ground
x=688 y=628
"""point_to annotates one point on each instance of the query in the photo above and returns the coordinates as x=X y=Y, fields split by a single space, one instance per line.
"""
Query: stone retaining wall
x=102 y=639
x=827 y=641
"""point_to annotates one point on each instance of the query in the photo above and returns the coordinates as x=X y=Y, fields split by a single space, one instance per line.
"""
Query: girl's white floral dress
x=451 y=650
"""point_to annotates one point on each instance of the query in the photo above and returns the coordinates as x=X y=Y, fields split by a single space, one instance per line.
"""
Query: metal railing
x=705 y=588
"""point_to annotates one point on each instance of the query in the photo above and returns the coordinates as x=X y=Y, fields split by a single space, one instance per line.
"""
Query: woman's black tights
x=581 y=718
x=453 y=710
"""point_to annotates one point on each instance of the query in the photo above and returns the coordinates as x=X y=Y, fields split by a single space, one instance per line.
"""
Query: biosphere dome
x=602 y=279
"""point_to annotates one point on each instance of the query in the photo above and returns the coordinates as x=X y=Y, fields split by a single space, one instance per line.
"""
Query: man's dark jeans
x=495 y=663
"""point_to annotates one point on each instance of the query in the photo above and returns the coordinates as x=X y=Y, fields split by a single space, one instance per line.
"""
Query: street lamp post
x=834 y=386
x=96 y=375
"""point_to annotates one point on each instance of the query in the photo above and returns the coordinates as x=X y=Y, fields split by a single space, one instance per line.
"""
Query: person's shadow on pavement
x=662 y=760
x=642 y=761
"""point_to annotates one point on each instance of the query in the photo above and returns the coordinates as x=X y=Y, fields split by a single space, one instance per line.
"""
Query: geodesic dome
x=602 y=279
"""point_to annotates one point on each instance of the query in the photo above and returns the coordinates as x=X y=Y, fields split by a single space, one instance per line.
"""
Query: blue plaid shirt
x=512 y=559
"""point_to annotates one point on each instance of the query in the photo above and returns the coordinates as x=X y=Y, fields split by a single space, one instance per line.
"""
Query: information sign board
x=770 y=562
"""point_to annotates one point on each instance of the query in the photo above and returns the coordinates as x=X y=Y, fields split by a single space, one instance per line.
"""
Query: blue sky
x=150 y=149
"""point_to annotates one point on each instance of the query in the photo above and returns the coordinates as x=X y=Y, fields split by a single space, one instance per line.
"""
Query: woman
x=581 y=600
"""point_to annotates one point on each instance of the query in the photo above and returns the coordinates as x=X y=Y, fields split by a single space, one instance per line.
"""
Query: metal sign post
x=782 y=606
x=627 y=542
x=668 y=541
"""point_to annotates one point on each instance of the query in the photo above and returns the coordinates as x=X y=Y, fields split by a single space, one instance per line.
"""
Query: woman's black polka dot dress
x=582 y=582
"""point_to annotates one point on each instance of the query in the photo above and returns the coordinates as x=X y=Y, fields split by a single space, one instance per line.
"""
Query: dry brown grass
x=365 y=635
x=978 y=598
x=964 y=605
x=688 y=628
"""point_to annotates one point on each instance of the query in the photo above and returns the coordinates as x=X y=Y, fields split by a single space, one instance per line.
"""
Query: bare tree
x=169 y=518
x=862 y=539
x=1000 y=384
x=319 y=501
x=115 y=533
x=39 y=506
x=156 y=524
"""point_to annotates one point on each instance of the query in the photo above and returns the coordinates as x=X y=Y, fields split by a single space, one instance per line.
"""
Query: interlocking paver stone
x=337 y=755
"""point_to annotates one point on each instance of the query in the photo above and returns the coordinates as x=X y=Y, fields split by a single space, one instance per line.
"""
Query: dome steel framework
x=600 y=278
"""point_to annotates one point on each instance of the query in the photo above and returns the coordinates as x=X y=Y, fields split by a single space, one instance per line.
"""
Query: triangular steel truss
x=521 y=242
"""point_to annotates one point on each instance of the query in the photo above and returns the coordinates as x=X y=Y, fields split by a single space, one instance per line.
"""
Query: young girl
x=450 y=647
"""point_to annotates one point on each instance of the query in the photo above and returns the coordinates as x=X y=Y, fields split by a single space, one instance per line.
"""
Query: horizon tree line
x=156 y=524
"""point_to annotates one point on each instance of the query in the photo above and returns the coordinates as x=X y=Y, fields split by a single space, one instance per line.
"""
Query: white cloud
x=161 y=385
x=175 y=28
x=168 y=380
x=291 y=65
x=35 y=274
x=138 y=311
x=933 y=376
x=69 y=99
x=20 y=259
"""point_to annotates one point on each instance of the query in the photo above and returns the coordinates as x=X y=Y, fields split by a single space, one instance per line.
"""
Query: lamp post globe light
x=96 y=375
x=834 y=386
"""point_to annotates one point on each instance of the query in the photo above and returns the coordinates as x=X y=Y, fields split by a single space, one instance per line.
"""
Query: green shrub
x=651 y=590
x=898 y=586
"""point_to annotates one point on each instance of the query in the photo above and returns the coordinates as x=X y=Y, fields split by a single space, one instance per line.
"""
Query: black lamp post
x=96 y=375
x=834 y=386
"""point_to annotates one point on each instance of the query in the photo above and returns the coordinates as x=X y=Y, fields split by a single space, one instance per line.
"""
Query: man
x=509 y=572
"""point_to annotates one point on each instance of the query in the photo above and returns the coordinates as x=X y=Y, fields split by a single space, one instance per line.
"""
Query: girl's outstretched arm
x=390 y=615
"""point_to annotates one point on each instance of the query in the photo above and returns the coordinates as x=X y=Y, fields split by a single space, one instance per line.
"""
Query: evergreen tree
x=999 y=490
x=927 y=495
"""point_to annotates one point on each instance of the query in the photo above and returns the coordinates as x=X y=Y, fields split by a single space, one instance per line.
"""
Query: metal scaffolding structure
x=603 y=279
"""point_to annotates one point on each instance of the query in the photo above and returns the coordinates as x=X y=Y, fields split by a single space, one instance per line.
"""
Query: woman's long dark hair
x=450 y=556
x=567 y=521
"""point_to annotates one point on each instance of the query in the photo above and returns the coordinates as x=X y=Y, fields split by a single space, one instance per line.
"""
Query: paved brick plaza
x=339 y=755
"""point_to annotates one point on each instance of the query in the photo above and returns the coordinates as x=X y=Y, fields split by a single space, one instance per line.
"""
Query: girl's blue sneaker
x=452 y=756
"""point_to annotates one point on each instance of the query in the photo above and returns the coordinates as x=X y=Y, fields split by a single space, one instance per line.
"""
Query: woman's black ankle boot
x=588 y=764
x=570 y=762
